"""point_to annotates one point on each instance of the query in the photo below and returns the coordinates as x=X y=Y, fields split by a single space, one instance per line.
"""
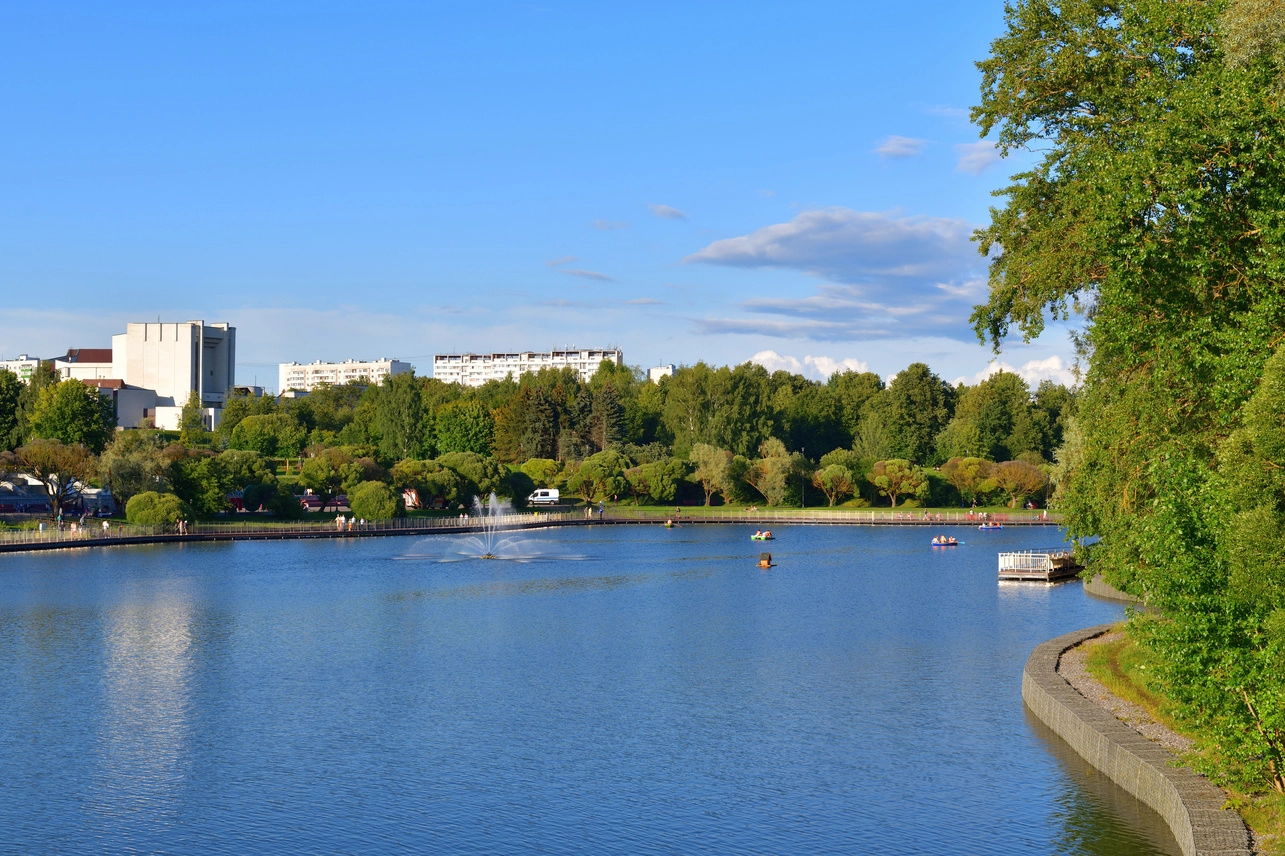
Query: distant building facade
x=172 y=361
x=85 y=364
x=477 y=369
x=306 y=377
x=655 y=373
x=22 y=366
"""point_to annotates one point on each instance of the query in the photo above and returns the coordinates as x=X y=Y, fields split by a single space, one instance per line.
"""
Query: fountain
x=492 y=542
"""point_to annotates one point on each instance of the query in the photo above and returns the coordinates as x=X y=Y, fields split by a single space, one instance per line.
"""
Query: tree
x=399 y=416
x=58 y=466
x=659 y=479
x=606 y=419
x=134 y=463
x=526 y=427
x=10 y=394
x=713 y=467
x=897 y=477
x=238 y=406
x=480 y=475
x=150 y=507
x=374 y=500
x=203 y=483
x=464 y=426
x=919 y=406
x=428 y=479
x=73 y=413
x=772 y=473
x=1019 y=480
x=191 y=421
x=995 y=420
x=970 y=476
x=274 y=435
x=44 y=375
x=245 y=468
x=323 y=473
x=600 y=476
x=1156 y=206
x=835 y=481
x=541 y=470
x=853 y=390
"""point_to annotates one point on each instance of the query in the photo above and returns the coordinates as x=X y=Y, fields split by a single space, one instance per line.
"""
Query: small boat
x=988 y=527
x=762 y=538
x=950 y=543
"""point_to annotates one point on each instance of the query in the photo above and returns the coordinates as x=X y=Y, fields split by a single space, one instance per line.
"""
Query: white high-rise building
x=173 y=361
x=307 y=376
x=655 y=373
x=22 y=366
x=477 y=369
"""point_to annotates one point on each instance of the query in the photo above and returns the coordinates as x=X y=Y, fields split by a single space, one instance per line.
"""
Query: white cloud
x=851 y=246
x=900 y=147
x=666 y=212
x=565 y=260
x=1051 y=368
x=817 y=367
x=976 y=158
x=587 y=274
x=889 y=276
x=958 y=114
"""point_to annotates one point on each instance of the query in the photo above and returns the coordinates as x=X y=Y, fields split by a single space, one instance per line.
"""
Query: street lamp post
x=803 y=479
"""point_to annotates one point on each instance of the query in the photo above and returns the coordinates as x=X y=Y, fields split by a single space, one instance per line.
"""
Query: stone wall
x=1189 y=803
x=1101 y=588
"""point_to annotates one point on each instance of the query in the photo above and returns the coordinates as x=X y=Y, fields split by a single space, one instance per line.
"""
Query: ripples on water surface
x=659 y=695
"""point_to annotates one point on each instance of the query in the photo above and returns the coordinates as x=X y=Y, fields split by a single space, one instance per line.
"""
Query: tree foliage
x=1156 y=207
x=73 y=413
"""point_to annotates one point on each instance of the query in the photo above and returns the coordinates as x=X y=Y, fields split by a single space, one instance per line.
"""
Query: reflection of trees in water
x=1097 y=815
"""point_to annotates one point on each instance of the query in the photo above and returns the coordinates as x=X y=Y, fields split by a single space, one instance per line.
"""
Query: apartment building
x=477 y=369
x=305 y=377
x=22 y=366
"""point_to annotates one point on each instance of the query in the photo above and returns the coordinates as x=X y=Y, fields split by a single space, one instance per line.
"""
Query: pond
x=652 y=691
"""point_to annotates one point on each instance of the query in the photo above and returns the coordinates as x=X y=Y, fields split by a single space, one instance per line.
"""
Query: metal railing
x=93 y=531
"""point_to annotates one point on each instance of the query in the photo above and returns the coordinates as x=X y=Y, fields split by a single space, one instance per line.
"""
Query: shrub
x=374 y=500
x=153 y=507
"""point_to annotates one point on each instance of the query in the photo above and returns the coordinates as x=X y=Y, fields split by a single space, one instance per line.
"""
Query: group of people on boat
x=761 y=535
x=945 y=541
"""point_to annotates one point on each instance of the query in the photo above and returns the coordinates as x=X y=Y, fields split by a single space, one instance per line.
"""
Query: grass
x=1127 y=670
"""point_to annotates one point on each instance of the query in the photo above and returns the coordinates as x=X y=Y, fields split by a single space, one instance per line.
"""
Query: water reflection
x=146 y=683
x=1096 y=815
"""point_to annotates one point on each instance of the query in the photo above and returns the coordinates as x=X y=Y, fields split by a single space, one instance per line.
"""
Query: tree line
x=704 y=435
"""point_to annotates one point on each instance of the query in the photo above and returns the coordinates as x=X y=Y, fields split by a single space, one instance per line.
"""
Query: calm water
x=658 y=695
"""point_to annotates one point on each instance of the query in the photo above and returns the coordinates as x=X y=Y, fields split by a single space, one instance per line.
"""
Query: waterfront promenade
x=93 y=535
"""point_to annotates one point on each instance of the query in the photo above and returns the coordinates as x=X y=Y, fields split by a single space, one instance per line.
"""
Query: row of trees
x=555 y=415
x=729 y=434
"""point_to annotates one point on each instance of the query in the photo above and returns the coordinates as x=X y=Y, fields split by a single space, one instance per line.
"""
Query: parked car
x=544 y=496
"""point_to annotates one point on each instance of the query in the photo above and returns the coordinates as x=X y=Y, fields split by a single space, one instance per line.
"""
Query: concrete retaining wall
x=1101 y=588
x=1189 y=803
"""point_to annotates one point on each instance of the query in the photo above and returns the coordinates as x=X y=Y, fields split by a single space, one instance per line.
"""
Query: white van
x=544 y=496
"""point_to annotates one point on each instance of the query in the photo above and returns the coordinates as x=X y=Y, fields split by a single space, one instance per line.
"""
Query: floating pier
x=1040 y=566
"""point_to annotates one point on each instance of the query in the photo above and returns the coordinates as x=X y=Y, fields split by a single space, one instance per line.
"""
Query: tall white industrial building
x=307 y=376
x=477 y=369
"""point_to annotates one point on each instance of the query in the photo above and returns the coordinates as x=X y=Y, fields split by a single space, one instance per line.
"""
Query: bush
x=374 y=500
x=153 y=507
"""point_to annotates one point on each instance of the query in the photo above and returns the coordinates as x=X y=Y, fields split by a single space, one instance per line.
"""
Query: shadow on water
x=1097 y=815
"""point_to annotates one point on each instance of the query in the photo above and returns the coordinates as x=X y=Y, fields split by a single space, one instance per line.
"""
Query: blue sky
x=789 y=182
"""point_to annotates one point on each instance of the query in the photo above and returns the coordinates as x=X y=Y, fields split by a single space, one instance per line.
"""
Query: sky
x=789 y=183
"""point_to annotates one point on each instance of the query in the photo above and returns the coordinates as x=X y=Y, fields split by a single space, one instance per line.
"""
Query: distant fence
x=94 y=533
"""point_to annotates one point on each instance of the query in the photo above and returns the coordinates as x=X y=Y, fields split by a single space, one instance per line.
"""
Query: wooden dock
x=1040 y=566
